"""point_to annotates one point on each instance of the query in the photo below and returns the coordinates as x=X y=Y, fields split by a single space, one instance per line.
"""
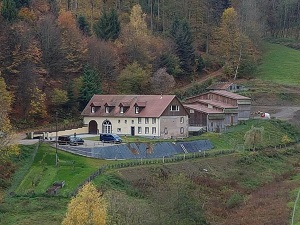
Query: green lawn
x=72 y=169
x=280 y=64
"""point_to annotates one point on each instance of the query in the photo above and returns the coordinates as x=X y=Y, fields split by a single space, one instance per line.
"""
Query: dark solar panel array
x=141 y=150
x=147 y=151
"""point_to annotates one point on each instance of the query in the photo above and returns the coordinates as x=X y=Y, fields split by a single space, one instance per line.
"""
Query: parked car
x=112 y=138
x=63 y=140
x=76 y=141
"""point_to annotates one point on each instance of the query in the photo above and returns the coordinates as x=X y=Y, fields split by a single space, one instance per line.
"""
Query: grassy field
x=280 y=64
x=72 y=169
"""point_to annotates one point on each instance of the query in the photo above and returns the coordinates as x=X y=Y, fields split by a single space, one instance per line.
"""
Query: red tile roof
x=154 y=105
x=217 y=104
x=230 y=95
x=201 y=108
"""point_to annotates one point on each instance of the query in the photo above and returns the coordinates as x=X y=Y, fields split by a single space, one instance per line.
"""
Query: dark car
x=112 y=138
x=76 y=141
x=63 y=140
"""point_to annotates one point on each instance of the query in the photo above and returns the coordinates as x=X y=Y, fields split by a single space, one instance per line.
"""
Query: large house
x=137 y=115
x=215 y=110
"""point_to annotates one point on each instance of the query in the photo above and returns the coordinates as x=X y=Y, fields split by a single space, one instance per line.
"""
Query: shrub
x=235 y=200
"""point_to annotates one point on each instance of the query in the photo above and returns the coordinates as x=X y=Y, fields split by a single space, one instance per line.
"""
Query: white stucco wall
x=123 y=126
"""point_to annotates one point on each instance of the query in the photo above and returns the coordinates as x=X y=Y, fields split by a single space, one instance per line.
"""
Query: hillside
x=161 y=190
x=280 y=64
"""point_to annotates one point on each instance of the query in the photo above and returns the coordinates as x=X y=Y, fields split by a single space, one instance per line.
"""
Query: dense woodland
x=55 y=54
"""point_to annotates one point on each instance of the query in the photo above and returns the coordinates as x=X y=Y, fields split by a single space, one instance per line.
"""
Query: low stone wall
x=52 y=135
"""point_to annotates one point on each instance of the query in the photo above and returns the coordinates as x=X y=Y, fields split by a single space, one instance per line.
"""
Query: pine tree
x=184 y=49
x=90 y=85
x=83 y=25
x=9 y=10
x=108 y=26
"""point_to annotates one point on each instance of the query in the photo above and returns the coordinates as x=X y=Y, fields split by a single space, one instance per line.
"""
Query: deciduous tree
x=162 y=77
x=7 y=148
x=86 y=208
x=133 y=80
x=254 y=138
x=103 y=57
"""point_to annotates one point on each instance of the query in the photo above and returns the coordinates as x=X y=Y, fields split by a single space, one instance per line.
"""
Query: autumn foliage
x=86 y=208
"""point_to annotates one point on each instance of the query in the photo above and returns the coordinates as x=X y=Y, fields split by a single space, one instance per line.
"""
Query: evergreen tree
x=90 y=85
x=184 y=49
x=83 y=25
x=108 y=26
x=21 y=3
x=9 y=10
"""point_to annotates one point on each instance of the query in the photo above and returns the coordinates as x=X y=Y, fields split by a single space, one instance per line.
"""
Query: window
x=93 y=109
x=146 y=130
x=132 y=121
x=118 y=129
x=137 y=109
x=121 y=109
x=106 y=109
x=139 y=120
x=125 y=121
x=153 y=130
x=181 y=130
x=119 y=121
x=166 y=130
x=174 y=107
x=106 y=127
x=192 y=111
x=139 y=130
x=181 y=120
x=146 y=120
x=153 y=120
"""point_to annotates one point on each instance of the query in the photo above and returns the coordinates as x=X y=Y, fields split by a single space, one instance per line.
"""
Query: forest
x=55 y=54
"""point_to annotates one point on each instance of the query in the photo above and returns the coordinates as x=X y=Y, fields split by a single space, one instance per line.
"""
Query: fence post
x=163 y=159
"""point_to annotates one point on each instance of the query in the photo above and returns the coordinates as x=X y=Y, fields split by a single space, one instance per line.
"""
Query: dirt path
x=279 y=112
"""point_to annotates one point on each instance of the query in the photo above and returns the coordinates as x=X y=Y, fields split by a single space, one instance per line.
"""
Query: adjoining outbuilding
x=216 y=110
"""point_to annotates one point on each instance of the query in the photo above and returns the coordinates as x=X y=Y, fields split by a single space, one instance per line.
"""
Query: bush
x=235 y=200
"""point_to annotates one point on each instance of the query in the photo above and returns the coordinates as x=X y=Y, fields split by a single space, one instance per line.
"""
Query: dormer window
x=137 y=109
x=139 y=106
x=174 y=107
x=95 y=107
x=106 y=109
x=124 y=106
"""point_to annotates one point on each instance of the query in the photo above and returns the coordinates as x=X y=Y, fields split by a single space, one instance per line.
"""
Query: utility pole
x=56 y=140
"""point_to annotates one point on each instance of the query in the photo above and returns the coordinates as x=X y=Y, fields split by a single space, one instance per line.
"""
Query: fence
x=163 y=160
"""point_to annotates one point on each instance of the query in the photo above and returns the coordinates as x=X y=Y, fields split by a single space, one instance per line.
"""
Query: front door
x=93 y=127
x=132 y=131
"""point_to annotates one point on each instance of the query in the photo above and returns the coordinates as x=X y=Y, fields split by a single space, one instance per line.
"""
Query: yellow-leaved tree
x=231 y=44
x=87 y=208
x=7 y=147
